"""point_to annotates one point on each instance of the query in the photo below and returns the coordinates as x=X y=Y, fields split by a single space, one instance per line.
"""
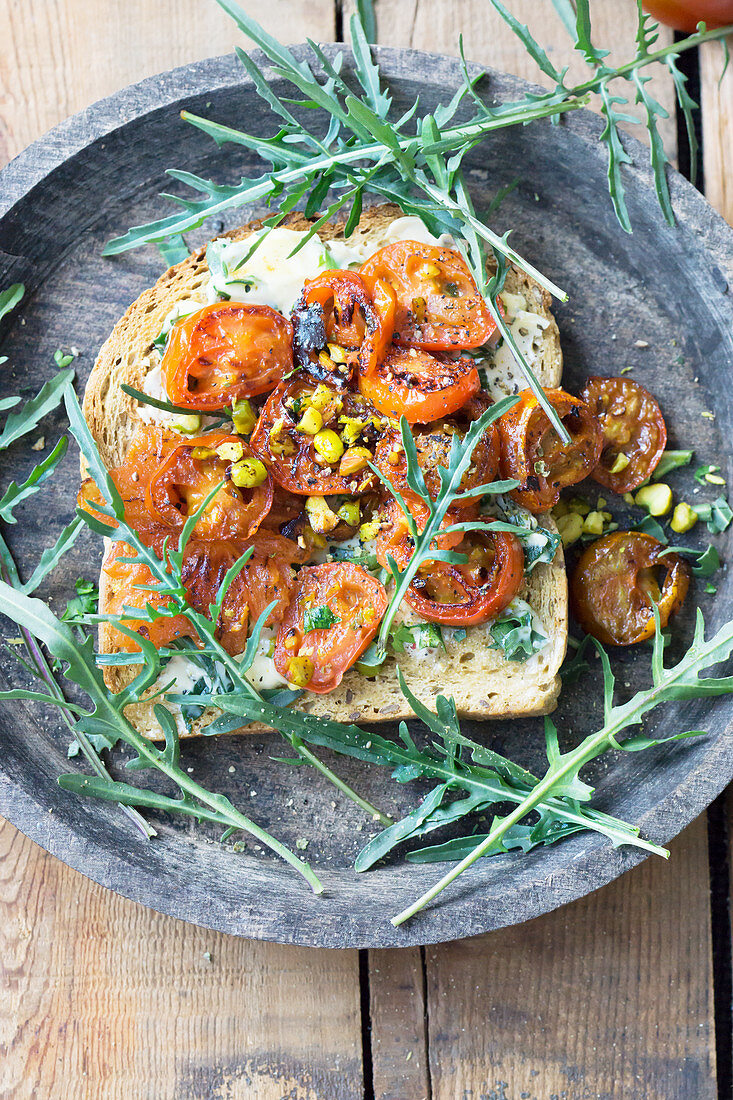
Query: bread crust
x=483 y=683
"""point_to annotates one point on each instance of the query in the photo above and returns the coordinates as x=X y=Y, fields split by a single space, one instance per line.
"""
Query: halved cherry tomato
x=179 y=485
x=532 y=452
x=616 y=582
x=336 y=309
x=293 y=456
x=149 y=447
x=438 y=305
x=394 y=539
x=464 y=594
x=225 y=352
x=421 y=387
x=634 y=432
x=433 y=447
x=347 y=597
x=122 y=590
x=267 y=576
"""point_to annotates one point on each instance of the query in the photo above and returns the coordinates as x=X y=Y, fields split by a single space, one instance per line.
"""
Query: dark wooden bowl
x=99 y=173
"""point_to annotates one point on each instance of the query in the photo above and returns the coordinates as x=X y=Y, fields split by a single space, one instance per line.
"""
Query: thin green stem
x=312 y=759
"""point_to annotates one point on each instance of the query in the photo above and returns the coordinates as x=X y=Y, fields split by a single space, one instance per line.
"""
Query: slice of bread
x=483 y=683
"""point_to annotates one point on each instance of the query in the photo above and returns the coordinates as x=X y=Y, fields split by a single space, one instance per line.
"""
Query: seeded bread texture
x=483 y=683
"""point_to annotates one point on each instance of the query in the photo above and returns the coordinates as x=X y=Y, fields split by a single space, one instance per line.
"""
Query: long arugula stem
x=679 y=682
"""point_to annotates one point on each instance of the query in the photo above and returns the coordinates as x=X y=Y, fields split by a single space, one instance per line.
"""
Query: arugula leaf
x=679 y=682
x=173 y=250
x=515 y=633
x=10 y=298
x=319 y=618
x=48 y=398
x=83 y=604
x=15 y=494
x=706 y=561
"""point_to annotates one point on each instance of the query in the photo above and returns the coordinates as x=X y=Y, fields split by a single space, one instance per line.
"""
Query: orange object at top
x=684 y=15
x=438 y=306
x=226 y=352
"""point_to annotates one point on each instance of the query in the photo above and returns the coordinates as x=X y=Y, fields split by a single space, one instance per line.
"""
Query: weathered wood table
x=625 y=994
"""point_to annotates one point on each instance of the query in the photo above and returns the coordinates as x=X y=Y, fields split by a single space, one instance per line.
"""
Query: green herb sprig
x=680 y=682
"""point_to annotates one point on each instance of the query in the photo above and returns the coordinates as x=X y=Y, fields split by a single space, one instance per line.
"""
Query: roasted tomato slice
x=634 y=432
x=394 y=539
x=225 y=352
x=338 y=324
x=419 y=386
x=532 y=452
x=181 y=482
x=459 y=594
x=312 y=436
x=267 y=576
x=120 y=582
x=433 y=446
x=438 y=305
x=616 y=582
x=331 y=620
x=149 y=447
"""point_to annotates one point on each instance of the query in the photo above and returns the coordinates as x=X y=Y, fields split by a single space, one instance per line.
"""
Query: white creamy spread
x=527 y=328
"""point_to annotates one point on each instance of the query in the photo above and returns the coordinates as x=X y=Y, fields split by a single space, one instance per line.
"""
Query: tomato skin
x=613 y=584
x=179 y=484
x=337 y=308
x=149 y=447
x=291 y=456
x=356 y=599
x=225 y=352
x=438 y=306
x=121 y=581
x=632 y=424
x=433 y=451
x=394 y=539
x=684 y=15
x=528 y=440
x=413 y=383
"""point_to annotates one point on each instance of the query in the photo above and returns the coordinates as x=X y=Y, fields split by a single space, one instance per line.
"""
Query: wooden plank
x=102 y=998
x=398 y=1025
x=59 y=56
x=436 y=24
x=608 y=997
x=716 y=98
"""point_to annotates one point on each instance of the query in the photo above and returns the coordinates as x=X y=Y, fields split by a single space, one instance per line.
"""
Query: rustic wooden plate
x=100 y=172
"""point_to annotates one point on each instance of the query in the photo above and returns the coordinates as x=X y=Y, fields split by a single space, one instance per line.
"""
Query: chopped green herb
x=649 y=526
x=710 y=589
x=704 y=473
x=717 y=515
x=516 y=634
x=62 y=359
x=319 y=618
x=418 y=636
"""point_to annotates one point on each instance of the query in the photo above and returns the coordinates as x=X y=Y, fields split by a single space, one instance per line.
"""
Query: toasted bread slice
x=482 y=681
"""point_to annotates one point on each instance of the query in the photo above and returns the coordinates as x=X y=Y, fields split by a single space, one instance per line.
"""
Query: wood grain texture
x=716 y=97
x=59 y=56
x=610 y=997
x=398 y=1025
x=102 y=999
x=436 y=24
